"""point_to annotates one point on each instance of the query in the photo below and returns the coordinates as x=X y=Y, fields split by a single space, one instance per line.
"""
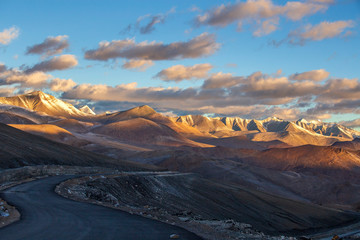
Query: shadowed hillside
x=19 y=149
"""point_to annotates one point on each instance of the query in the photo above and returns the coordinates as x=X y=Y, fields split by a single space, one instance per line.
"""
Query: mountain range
x=38 y=107
x=273 y=155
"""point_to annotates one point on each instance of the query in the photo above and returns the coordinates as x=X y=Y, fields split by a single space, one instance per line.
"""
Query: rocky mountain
x=272 y=124
x=190 y=125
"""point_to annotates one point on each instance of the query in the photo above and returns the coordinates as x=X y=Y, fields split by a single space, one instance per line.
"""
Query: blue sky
x=306 y=50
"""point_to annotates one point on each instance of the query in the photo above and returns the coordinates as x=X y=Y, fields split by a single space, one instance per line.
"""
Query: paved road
x=48 y=216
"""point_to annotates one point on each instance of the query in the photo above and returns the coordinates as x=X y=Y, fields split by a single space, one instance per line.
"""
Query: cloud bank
x=50 y=46
x=179 y=73
x=56 y=63
x=196 y=47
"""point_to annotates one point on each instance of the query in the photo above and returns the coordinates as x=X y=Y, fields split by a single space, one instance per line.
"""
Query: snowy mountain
x=42 y=102
x=87 y=110
x=271 y=124
x=31 y=106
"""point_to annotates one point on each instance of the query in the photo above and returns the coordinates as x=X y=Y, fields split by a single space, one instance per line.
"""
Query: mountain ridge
x=42 y=102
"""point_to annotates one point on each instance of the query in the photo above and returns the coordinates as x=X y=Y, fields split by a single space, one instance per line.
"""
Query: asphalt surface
x=47 y=216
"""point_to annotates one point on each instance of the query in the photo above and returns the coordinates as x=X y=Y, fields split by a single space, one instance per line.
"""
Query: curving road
x=48 y=216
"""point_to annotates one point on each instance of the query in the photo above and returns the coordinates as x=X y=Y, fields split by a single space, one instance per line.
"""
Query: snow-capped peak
x=86 y=109
x=303 y=120
x=42 y=102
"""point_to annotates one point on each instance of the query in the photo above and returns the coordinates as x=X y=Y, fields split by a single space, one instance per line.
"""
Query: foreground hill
x=190 y=197
x=350 y=145
x=319 y=174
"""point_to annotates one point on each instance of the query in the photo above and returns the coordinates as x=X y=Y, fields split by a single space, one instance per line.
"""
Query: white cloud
x=321 y=31
x=56 y=63
x=50 y=46
x=199 y=46
x=138 y=64
x=179 y=73
x=263 y=13
x=9 y=34
x=61 y=85
x=267 y=27
x=314 y=75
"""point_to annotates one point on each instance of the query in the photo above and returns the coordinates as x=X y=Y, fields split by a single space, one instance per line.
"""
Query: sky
x=247 y=58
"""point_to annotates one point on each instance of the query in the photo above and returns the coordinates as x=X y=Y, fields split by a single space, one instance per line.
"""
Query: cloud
x=258 y=95
x=56 y=63
x=149 y=26
x=9 y=34
x=179 y=73
x=337 y=89
x=6 y=91
x=314 y=75
x=222 y=80
x=2 y=67
x=340 y=107
x=298 y=10
x=194 y=9
x=352 y=124
x=34 y=79
x=61 y=85
x=22 y=80
x=128 y=92
x=141 y=65
x=321 y=31
x=232 y=65
x=323 y=1
x=267 y=27
x=50 y=46
x=263 y=13
x=196 y=47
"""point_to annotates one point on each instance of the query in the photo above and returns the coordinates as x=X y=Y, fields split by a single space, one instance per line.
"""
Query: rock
x=174 y=236
x=184 y=219
x=336 y=237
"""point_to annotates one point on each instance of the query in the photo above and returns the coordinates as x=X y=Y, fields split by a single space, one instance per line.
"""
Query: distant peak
x=145 y=108
x=36 y=93
x=86 y=109
x=271 y=119
x=39 y=94
x=303 y=120
x=142 y=110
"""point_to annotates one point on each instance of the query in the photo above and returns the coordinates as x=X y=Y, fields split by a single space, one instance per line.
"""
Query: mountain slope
x=51 y=132
x=24 y=113
x=8 y=118
x=308 y=157
x=350 y=145
x=144 y=131
x=19 y=149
